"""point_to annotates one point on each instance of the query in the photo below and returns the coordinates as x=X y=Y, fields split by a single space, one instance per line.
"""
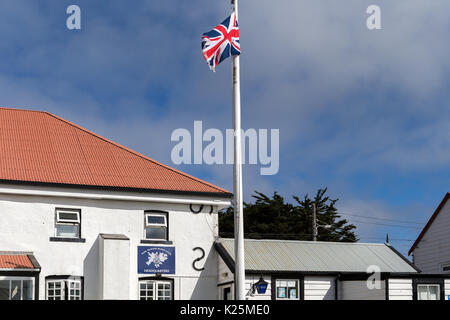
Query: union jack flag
x=221 y=42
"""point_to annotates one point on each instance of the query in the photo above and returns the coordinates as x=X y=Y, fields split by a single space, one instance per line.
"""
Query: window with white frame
x=74 y=289
x=428 y=292
x=155 y=290
x=156 y=226
x=55 y=290
x=67 y=223
x=287 y=289
x=64 y=289
x=16 y=288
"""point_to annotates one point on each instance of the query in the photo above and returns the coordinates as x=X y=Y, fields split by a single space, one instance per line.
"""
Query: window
x=15 y=288
x=55 y=290
x=287 y=289
x=156 y=226
x=446 y=268
x=67 y=223
x=64 y=289
x=74 y=287
x=155 y=290
x=428 y=292
x=227 y=293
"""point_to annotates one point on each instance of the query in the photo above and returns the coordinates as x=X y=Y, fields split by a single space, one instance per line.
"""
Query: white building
x=431 y=250
x=306 y=270
x=82 y=217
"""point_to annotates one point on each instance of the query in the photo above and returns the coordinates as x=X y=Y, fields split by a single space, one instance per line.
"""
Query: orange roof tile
x=40 y=147
x=15 y=262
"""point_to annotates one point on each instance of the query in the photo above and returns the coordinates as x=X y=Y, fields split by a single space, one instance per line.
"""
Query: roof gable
x=430 y=221
x=40 y=147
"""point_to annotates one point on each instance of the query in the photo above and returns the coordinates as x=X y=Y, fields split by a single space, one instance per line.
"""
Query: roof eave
x=225 y=195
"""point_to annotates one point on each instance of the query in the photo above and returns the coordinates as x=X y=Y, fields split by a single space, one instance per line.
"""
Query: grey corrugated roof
x=307 y=256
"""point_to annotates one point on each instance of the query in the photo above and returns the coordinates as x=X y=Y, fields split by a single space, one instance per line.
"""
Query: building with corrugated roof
x=308 y=270
x=82 y=217
x=431 y=250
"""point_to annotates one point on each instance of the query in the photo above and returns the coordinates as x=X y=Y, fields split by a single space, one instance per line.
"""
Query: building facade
x=306 y=270
x=82 y=217
x=431 y=250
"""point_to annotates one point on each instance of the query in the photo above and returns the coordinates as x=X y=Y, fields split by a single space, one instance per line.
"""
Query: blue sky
x=362 y=112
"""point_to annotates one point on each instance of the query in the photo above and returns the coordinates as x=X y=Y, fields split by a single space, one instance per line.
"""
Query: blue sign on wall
x=156 y=260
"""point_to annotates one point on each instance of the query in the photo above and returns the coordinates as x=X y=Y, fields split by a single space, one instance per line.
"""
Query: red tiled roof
x=40 y=147
x=15 y=262
x=424 y=230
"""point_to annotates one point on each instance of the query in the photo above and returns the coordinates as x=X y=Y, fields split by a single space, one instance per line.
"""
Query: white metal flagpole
x=239 y=274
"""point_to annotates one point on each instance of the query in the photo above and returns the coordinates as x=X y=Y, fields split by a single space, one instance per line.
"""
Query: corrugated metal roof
x=41 y=147
x=15 y=261
x=308 y=256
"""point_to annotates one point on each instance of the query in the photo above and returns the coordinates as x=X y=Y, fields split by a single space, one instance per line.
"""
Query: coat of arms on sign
x=157 y=258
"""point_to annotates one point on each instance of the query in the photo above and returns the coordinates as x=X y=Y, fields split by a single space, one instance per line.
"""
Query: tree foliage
x=273 y=218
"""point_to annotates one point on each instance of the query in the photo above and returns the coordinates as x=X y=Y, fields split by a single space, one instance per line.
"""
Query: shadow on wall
x=91 y=272
x=330 y=294
x=206 y=285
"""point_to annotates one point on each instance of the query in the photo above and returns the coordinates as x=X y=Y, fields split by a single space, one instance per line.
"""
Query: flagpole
x=239 y=275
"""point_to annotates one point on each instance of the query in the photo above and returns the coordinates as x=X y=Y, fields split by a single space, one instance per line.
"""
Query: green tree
x=273 y=218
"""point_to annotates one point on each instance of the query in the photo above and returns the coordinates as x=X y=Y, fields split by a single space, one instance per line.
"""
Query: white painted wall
x=224 y=273
x=434 y=248
x=27 y=222
x=114 y=269
x=400 y=289
x=319 y=288
x=358 y=290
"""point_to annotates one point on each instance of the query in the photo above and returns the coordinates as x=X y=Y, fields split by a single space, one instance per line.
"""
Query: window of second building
x=428 y=292
x=287 y=289
x=156 y=226
x=67 y=223
x=445 y=268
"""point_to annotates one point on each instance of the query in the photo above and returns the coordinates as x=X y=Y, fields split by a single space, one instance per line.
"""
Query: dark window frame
x=34 y=274
x=445 y=267
x=429 y=281
x=225 y=291
x=298 y=277
x=22 y=277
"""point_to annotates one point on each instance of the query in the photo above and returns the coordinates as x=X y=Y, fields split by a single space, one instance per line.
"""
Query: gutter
x=220 y=203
